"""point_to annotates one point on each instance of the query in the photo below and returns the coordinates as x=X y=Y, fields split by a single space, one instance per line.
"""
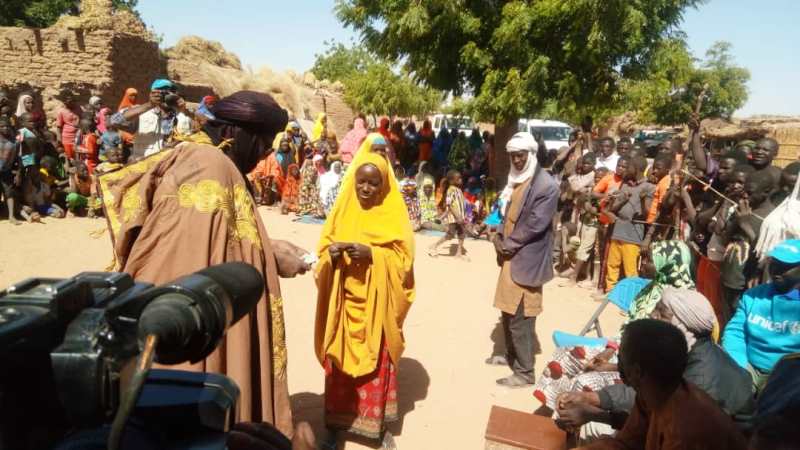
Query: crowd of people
x=711 y=226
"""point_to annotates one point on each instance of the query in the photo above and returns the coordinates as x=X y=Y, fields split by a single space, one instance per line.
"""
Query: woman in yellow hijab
x=319 y=127
x=365 y=280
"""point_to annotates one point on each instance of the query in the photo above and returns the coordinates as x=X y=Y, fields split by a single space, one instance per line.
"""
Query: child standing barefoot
x=453 y=206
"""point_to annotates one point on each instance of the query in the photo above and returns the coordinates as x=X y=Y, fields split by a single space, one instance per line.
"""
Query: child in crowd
x=8 y=164
x=588 y=215
x=80 y=191
x=429 y=211
x=740 y=265
x=453 y=206
x=38 y=200
x=113 y=161
x=291 y=190
x=87 y=149
x=409 y=190
x=628 y=232
x=110 y=139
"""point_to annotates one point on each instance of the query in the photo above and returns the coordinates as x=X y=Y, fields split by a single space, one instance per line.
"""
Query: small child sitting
x=38 y=199
x=80 y=191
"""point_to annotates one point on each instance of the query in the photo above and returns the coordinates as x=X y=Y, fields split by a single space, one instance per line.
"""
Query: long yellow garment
x=360 y=304
x=319 y=127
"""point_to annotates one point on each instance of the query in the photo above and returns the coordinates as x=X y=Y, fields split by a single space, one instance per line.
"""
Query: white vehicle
x=462 y=123
x=555 y=134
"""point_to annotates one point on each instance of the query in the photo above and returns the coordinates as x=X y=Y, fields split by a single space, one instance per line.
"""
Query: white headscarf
x=781 y=224
x=520 y=142
x=21 y=104
x=330 y=180
x=95 y=101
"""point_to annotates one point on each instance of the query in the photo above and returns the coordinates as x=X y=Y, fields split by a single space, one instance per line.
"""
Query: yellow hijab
x=319 y=127
x=357 y=307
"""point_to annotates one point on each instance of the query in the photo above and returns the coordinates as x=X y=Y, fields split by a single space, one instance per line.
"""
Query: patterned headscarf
x=673 y=261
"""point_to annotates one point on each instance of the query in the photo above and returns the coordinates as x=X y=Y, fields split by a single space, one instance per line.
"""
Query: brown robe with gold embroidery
x=188 y=208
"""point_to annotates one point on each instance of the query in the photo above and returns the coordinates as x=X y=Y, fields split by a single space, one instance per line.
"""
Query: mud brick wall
x=101 y=62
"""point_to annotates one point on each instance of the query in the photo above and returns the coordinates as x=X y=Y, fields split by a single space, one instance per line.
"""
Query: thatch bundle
x=100 y=15
x=197 y=50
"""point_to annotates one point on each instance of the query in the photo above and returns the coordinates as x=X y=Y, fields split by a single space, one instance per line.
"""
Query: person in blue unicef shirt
x=766 y=325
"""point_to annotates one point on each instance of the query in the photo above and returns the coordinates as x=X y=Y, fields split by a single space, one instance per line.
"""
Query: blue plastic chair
x=621 y=296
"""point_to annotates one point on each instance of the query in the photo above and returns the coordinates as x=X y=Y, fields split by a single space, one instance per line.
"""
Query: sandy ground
x=446 y=390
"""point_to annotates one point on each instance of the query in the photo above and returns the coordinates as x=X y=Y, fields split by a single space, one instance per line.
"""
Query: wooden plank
x=509 y=429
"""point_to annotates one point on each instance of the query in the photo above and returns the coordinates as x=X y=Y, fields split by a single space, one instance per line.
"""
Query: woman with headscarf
x=383 y=128
x=329 y=186
x=459 y=152
x=320 y=125
x=426 y=138
x=102 y=113
x=708 y=367
x=428 y=209
x=128 y=101
x=411 y=138
x=670 y=265
x=25 y=105
x=475 y=141
x=352 y=140
x=204 y=110
x=669 y=269
x=309 y=204
x=290 y=193
x=441 y=147
x=190 y=207
x=366 y=286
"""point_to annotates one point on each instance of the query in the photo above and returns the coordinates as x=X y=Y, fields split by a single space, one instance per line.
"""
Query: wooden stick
x=699 y=104
x=720 y=194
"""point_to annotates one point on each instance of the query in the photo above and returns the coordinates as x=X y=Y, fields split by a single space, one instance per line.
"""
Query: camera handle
x=128 y=402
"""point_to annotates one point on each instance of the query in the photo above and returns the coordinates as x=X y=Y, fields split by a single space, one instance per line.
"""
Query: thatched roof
x=723 y=129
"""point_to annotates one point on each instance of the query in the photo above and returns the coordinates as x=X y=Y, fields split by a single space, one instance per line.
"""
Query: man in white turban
x=524 y=252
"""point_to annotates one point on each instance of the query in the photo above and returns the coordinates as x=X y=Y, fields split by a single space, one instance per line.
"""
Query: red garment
x=362 y=405
x=67 y=121
x=69 y=149
x=126 y=102
x=425 y=144
x=383 y=129
x=87 y=151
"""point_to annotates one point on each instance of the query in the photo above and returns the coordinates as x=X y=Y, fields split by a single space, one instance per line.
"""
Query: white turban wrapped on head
x=520 y=142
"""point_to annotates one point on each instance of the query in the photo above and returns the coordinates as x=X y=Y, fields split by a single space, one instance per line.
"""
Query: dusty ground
x=446 y=390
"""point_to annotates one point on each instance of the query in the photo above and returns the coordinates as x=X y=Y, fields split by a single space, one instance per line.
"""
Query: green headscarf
x=673 y=261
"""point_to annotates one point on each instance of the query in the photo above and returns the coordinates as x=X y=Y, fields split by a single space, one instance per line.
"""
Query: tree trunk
x=503 y=133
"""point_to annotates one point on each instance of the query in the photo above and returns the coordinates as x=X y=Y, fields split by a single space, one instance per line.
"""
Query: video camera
x=68 y=350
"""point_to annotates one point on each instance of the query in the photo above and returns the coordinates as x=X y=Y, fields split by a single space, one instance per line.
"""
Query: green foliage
x=378 y=90
x=339 y=62
x=518 y=57
x=371 y=86
x=669 y=94
x=43 y=13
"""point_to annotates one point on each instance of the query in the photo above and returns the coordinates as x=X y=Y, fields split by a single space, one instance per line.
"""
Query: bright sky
x=287 y=35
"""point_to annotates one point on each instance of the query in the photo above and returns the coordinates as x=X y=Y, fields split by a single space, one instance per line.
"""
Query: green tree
x=669 y=94
x=516 y=56
x=371 y=85
x=43 y=13
x=338 y=62
x=379 y=91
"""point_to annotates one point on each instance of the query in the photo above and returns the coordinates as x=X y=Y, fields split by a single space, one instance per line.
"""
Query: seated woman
x=593 y=368
x=708 y=367
x=366 y=286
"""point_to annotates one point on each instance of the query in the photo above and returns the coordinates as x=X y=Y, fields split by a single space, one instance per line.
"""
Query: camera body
x=65 y=347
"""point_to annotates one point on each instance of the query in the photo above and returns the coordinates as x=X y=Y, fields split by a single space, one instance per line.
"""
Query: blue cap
x=379 y=140
x=162 y=84
x=787 y=251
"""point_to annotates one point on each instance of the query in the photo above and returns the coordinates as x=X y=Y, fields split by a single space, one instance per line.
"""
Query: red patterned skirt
x=362 y=405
